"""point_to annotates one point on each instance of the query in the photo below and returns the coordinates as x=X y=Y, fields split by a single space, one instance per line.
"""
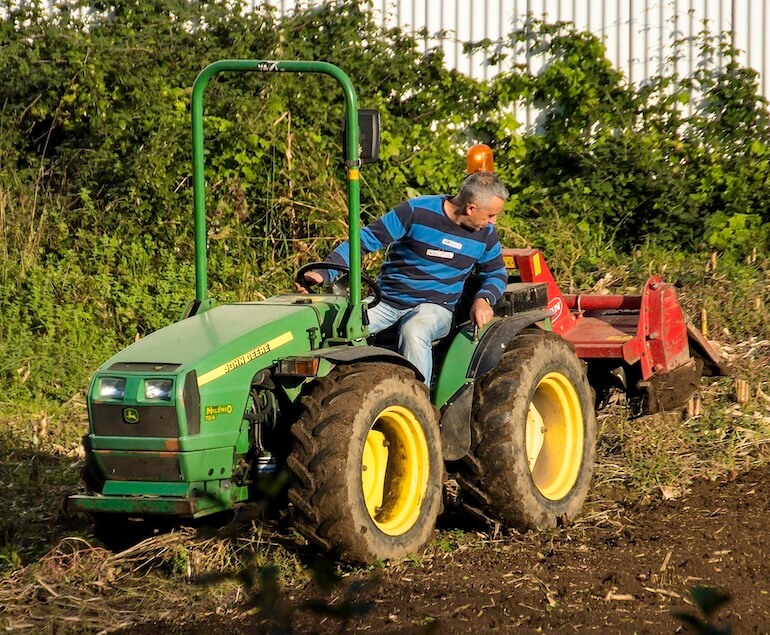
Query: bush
x=626 y=163
x=95 y=196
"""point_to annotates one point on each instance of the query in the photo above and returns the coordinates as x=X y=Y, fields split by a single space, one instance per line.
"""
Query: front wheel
x=533 y=435
x=367 y=463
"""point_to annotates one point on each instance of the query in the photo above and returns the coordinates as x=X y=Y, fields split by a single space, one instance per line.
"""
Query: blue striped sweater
x=430 y=256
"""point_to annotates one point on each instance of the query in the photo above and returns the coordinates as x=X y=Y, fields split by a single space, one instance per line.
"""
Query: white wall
x=638 y=33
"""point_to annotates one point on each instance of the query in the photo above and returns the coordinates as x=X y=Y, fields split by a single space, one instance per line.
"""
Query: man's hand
x=311 y=277
x=481 y=312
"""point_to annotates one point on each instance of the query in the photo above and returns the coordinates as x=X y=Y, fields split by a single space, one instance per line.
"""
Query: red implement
x=645 y=336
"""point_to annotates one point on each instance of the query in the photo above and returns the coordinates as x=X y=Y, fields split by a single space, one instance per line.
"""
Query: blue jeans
x=419 y=327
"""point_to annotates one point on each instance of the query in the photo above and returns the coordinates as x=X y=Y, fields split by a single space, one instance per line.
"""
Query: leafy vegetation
x=708 y=600
x=95 y=193
x=617 y=182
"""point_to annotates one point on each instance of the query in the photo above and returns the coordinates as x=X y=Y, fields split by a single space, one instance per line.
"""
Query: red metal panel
x=698 y=341
x=649 y=329
x=595 y=338
x=532 y=268
x=667 y=335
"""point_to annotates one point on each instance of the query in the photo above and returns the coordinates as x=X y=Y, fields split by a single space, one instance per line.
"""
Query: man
x=435 y=243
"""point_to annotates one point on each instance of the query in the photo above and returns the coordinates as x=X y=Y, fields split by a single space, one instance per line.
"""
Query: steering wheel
x=339 y=287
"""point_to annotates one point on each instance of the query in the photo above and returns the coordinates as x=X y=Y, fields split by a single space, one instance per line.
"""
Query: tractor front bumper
x=161 y=503
x=139 y=505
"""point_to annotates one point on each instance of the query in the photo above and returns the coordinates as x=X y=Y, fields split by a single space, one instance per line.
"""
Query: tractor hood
x=185 y=386
x=190 y=381
x=225 y=338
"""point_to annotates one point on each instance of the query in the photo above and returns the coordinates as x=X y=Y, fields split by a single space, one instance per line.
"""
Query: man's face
x=477 y=217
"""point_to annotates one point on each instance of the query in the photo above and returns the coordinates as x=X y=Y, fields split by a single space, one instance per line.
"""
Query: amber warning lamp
x=479 y=159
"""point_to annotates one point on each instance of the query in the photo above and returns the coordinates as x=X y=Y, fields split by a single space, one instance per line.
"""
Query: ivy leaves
x=630 y=162
x=95 y=155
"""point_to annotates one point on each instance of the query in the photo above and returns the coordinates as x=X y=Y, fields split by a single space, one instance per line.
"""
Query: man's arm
x=481 y=312
x=374 y=237
x=494 y=277
x=311 y=278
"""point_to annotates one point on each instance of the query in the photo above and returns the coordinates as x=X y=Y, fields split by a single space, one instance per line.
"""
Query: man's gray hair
x=480 y=188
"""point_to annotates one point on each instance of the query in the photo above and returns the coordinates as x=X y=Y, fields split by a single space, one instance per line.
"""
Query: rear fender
x=496 y=338
x=457 y=408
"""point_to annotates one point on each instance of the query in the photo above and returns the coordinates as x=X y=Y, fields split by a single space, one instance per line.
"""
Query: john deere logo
x=130 y=415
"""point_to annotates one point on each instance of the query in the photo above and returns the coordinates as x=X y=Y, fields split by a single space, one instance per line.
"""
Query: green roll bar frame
x=354 y=328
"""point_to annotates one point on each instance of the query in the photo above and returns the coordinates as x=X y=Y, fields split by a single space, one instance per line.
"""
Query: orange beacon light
x=479 y=158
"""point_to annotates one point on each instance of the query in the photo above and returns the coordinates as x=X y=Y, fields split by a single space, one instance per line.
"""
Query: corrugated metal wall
x=639 y=34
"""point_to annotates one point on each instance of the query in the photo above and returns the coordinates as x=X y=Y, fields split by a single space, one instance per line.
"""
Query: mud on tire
x=533 y=436
x=367 y=463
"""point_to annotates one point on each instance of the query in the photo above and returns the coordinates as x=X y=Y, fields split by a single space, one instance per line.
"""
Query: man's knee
x=426 y=323
x=416 y=330
x=434 y=317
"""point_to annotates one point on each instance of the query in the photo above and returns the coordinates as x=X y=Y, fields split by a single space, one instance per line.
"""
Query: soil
x=624 y=568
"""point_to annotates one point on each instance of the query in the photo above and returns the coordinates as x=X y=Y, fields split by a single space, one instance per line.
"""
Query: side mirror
x=369 y=136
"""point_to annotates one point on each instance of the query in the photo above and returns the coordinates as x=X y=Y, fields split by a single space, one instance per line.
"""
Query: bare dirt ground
x=622 y=569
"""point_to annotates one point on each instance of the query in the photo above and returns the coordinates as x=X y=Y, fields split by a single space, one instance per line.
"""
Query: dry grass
x=78 y=587
x=660 y=455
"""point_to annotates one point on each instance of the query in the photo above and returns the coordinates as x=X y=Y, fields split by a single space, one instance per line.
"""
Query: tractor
x=195 y=418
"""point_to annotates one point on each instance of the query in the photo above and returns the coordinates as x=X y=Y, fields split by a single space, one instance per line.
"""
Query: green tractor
x=194 y=419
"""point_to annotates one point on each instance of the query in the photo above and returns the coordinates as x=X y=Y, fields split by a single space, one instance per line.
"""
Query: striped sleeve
x=374 y=237
x=491 y=269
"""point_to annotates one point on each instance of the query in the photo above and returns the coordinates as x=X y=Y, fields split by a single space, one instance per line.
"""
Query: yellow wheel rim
x=394 y=470
x=554 y=436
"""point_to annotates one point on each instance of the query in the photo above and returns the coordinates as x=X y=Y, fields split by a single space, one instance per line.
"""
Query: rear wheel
x=367 y=463
x=533 y=435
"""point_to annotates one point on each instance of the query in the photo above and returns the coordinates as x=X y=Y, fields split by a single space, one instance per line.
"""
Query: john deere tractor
x=189 y=420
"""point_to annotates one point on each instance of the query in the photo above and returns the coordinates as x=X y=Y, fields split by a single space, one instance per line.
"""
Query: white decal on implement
x=555 y=308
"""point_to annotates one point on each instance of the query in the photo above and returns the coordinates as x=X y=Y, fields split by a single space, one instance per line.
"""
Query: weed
x=179 y=561
x=451 y=540
x=10 y=560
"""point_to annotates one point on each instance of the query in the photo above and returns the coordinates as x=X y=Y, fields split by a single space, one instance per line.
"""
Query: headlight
x=159 y=389
x=112 y=387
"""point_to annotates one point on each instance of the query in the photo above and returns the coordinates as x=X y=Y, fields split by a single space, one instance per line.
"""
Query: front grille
x=150 y=466
x=108 y=420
